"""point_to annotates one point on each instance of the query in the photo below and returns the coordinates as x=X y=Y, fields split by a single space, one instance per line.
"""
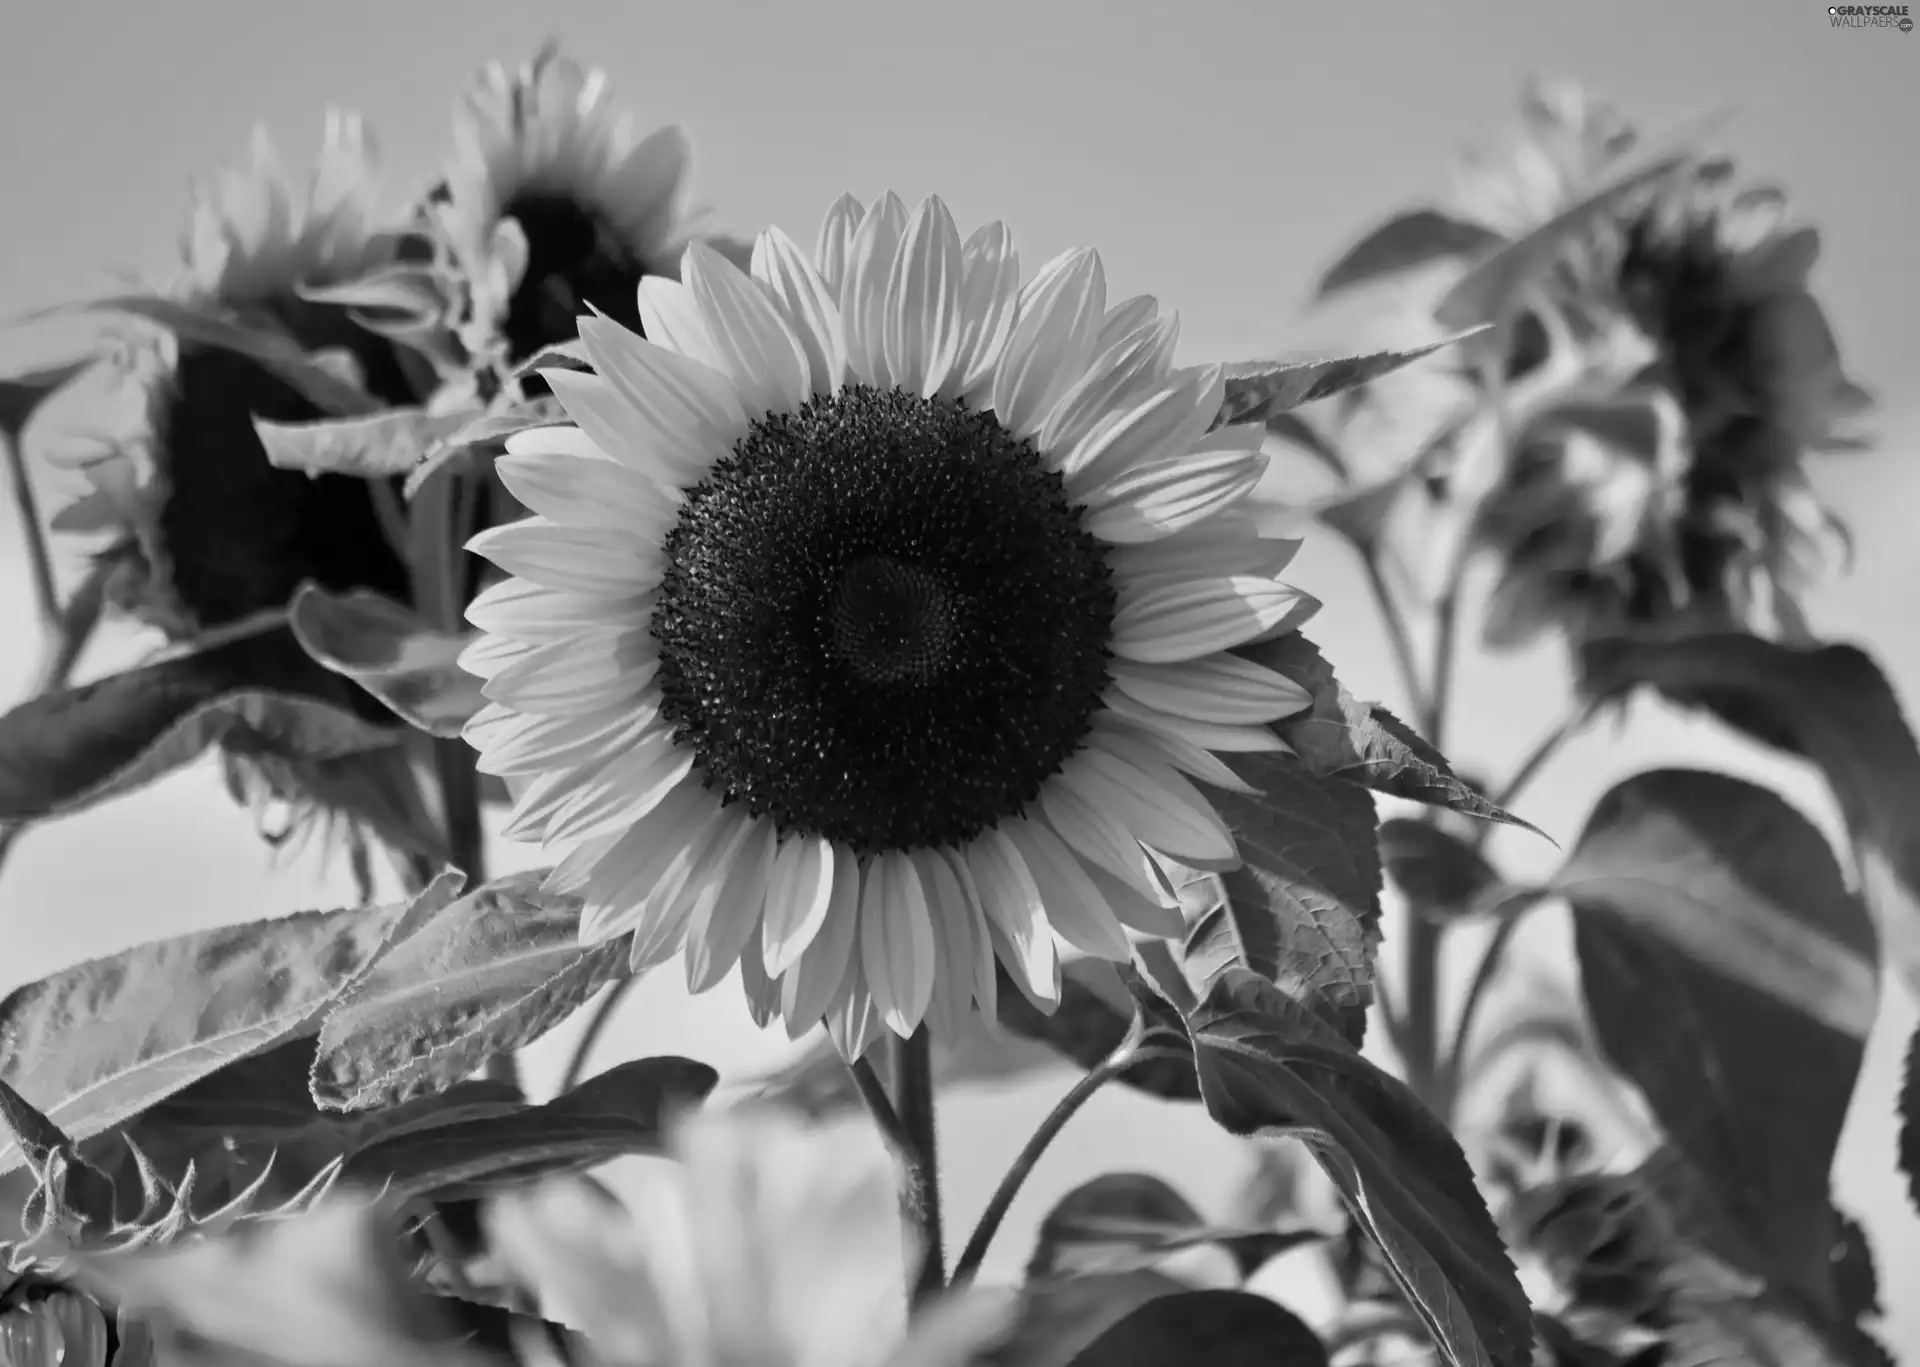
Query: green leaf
x=374 y=446
x=1270 y=1069
x=1414 y=237
x=1732 y=976
x=1830 y=705
x=621 y=1111
x=1303 y=908
x=486 y=974
x=1291 y=428
x=22 y=395
x=92 y=1045
x=1442 y=877
x=1219 y=1328
x=485 y=435
x=1060 y=1318
x=388 y=651
x=1092 y=1020
x=1258 y=390
x=1910 y=1120
x=1127 y=1220
x=1342 y=737
x=258 y=695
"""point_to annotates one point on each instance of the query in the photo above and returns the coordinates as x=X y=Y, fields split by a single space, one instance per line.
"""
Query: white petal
x=986 y=988
x=626 y=790
x=1185 y=620
x=589 y=493
x=576 y=676
x=812 y=985
x=689 y=869
x=602 y=561
x=1223 y=738
x=1225 y=544
x=1012 y=903
x=853 y=1022
x=623 y=428
x=670 y=317
x=1125 y=317
x=1190 y=759
x=1156 y=805
x=1155 y=424
x=1097 y=835
x=762 y=992
x=799 y=895
x=753 y=338
x=1153 y=501
x=990 y=297
x=654 y=174
x=526 y=743
x=689 y=414
x=1219 y=688
x=1052 y=340
x=811 y=304
x=489 y=655
x=953 y=918
x=1075 y=909
x=896 y=943
x=728 y=913
x=1134 y=364
x=1148 y=915
x=572 y=874
x=836 y=241
x=522 y=610
x=922 y=326
x=863 y=292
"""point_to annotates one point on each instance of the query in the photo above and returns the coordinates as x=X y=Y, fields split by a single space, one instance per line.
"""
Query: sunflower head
x=553 y=205
x=1658 y=484
x=873 y=620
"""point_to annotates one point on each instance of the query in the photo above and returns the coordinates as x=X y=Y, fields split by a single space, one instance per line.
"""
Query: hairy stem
x=913 y=1103
x=590 y=1037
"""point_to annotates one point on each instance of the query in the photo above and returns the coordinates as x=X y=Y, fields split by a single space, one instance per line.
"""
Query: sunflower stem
x=1398 y=634
x=1452 y=1063
x=596 y=1026
x=913 y=1103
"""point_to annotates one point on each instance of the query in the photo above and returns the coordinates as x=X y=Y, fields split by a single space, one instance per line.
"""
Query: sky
x=1218 y=154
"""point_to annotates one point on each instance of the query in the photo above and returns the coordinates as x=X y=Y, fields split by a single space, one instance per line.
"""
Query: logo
x=1871 y=16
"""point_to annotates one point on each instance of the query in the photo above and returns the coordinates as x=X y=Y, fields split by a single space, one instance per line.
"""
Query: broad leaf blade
x=1219 y=1328
x=1270 y=1069
x=1734 y=978
x=65 y=751
x=1127 y=1220
x=486 y=974
x=1259 y=390
x=1442 y=877
x=1414 y=237
x=621 y=1111
x=389 y=652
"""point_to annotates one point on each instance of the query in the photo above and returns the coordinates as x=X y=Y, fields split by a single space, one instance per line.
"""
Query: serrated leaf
x=1127 y=1220
x=1258 y=390
x=1442 y=877
x=68 y=750
x=486 y=974
x=92 y=1045
x=1342 y=737
x=1413 y=237
x=374 y=446
x=70 y=1186
x=22 y=395
x=619 y=1112
x=1828 y=704
x=1303 y=908
x=390 y=653
x=1269 y=1068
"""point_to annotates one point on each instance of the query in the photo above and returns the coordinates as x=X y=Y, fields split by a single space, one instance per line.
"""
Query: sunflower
x=873 y=619
x=1668 y=490
x=207 y=530
x=553 y=205
x=763 y=1246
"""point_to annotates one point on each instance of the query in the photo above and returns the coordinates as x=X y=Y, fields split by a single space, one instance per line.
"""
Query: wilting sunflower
x=553 y=204
x=763 y=1246
x=209 y=531
x=870 y=617
x=1666 y=490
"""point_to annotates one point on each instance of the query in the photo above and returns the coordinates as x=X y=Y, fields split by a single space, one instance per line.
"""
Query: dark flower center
x=882 y=622
x=575 y=257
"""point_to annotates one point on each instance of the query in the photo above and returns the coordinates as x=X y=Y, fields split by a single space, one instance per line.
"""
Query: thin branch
x=913 y=1102
x=46 y=597
x=1399 y=635
x=596 y=1027
x=1447 y=1081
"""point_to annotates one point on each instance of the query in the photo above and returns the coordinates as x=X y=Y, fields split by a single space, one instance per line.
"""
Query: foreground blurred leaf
x=1717 y=941
x=1303 y=908
x=1258 y=390
x=97 y=1043
x=388 y=651
x=68 y=750
x=1828 y=704
x=1442 y=877
x=377 y=446
x=621 y=1111
x=1414 y=237
x=323 y=1290
x=1127 y=1220
x=1220 y=1328
x=483 y=434
x=1060 y=1318
x=22 y=395
x=486 y=974
x=1269 y=1068
x=1910 y=1120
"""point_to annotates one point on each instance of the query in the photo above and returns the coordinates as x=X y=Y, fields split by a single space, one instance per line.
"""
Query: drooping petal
x=896 y=942
x=721 y=928
x=1099 y=836
x=626 y=790
x=1158 y=807
x=1012 y=902
x=952 y=916
x=799 y=895
x=1075 y=909
x=810 y=987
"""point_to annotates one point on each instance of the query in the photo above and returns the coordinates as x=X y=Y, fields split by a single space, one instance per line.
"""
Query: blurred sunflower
x=552 y=205
x=763 y=1246
x=869 y=618
x=1661 y=485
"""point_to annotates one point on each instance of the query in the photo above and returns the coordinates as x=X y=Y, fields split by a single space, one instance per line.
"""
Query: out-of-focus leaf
x=486 y=974
x=95 y=1044
x=1441 y=875
x=1127 y=1220
x=65 y=751
x=1291 y=428
x=1270 y=1068
x=1734 y=978
x=1855 y=1283
x=1828 y=704
x=1092 y=1020
x=1910 y=1120
x=374 y=446
x=1258 y=390
x=326 y=1289
x=1058 y=1319
x=1342 y=737
x=389 y=652
x=1303 y=908
x=1360 y=515
x=621 y=1111
x=1220 y=1328
x=22 y=395
x=486 y=433
x=1414 y=237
